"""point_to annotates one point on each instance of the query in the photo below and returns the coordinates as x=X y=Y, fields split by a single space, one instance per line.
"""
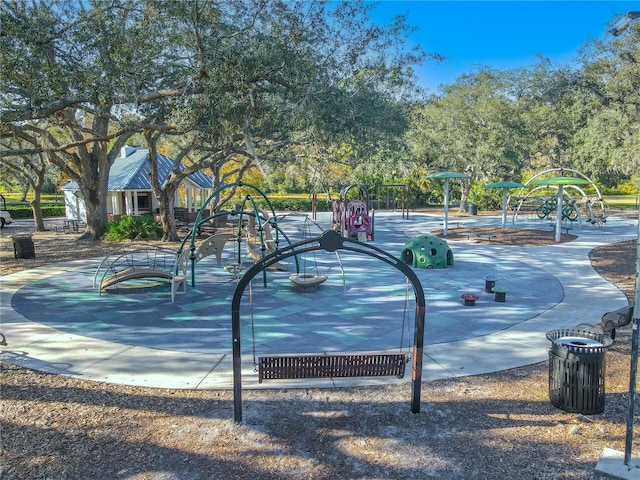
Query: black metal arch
x=329 y=241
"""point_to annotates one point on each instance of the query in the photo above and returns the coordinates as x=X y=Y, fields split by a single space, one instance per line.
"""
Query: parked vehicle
x=5 y=216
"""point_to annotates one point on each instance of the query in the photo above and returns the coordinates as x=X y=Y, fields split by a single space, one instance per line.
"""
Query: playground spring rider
x=351 y=217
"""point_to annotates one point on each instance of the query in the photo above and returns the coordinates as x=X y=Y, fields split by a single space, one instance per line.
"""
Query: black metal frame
x=330 y=241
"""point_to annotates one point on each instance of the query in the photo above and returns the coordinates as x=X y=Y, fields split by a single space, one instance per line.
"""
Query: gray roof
x=132 y=173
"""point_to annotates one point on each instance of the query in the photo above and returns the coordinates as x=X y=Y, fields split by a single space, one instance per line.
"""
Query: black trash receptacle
x=23 y=246
x=577 y=370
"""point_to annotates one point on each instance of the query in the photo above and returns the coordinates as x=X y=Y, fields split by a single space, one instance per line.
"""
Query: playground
x=363 y=306
x=467 y=421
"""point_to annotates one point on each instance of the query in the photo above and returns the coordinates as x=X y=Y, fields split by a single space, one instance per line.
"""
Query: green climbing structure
x=427 y=251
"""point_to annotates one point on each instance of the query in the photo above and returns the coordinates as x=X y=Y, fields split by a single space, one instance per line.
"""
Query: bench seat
x=332 y=366
x=131 y=273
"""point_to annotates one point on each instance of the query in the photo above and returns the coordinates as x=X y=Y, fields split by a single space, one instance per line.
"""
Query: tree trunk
x=25 y=191
x=36 y=207
x=35 y=180
x=96 y=211
x=94 y=184
x=167 y=216
x=464 y=198
x=164 y=193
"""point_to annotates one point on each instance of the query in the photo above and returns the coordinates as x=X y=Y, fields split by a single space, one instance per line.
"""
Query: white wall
x=74 y=206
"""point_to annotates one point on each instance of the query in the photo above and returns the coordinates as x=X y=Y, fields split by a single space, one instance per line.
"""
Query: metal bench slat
x=332 y=366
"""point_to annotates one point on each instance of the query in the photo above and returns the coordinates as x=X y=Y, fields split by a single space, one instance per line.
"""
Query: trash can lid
x=579 y=342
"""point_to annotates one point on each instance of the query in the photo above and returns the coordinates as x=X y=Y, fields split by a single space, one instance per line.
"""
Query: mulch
x=523 y=237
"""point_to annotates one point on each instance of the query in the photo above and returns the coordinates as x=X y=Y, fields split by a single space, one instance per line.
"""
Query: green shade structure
x=446 y=176
x=504 y=186
x=560 y=182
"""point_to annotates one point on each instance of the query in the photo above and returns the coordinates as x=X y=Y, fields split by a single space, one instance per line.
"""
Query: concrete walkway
x=55 y=322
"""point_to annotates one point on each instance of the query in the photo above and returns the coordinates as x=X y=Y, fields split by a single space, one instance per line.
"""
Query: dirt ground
x=497 y=426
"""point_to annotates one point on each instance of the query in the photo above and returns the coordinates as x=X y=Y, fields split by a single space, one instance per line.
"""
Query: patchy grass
x=622 y=202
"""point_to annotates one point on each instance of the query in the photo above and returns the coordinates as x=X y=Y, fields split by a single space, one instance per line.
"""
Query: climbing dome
x=427 y=251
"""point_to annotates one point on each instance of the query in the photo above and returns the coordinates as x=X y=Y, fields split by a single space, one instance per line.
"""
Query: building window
x=144 y=202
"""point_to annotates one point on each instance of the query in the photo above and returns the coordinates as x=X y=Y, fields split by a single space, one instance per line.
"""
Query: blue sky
x=500 y=34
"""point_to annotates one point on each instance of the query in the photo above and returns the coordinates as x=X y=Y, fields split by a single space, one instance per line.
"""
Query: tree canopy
x=248 y=78
x=311 y=93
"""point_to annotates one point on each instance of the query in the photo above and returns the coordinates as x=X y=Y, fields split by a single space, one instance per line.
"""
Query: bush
x=294 y=204
x=24 y=210
x=488 y=198
x=142 y=227
x=627 y=187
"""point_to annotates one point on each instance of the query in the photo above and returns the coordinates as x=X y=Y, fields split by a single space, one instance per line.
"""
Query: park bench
x=450 y=223
x=143 y=262
x=618 y=318
x=612 y=320
x=562 y=227
x=486 y=236
x=481 y=236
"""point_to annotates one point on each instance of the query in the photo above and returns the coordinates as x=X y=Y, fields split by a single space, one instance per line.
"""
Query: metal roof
x=132 y=173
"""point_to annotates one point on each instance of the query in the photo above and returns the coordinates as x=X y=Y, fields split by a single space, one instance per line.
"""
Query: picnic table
x=71 y=225
x=562 y=227
x=481 y=236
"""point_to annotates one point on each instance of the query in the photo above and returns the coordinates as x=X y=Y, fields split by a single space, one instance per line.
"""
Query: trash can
x=23 y=246
x=577 y=370
x=473 y=209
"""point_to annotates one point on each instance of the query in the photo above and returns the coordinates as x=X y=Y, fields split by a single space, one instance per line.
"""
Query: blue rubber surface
x=372 y=312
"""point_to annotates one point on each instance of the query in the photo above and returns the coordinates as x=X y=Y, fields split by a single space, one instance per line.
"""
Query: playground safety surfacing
x=57 y=322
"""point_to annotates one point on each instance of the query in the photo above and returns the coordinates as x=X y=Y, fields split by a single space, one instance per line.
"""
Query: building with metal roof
x=130 y=192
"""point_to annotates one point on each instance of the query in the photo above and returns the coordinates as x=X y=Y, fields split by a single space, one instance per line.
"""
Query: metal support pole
x=445 y=219
x=418 y=354
x=634 y=356
x=632 y=390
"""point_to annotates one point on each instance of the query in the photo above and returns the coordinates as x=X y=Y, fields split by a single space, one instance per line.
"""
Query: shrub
x=24 y=210
x=142 y=227
x=294 y=204
x=630 y=186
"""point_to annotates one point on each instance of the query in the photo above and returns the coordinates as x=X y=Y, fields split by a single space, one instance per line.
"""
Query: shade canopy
x=562 y=181
x=447 y=175
x=504 y=185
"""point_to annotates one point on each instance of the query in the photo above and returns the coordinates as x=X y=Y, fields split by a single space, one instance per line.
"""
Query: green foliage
x=486 y=198
x=49 y=187
x=24 y=210
x=141 y=227
x=630 y=186
x=476 y=127
x=606 y=145
x=285 y=204
x=27 y=212
x=245 y=76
